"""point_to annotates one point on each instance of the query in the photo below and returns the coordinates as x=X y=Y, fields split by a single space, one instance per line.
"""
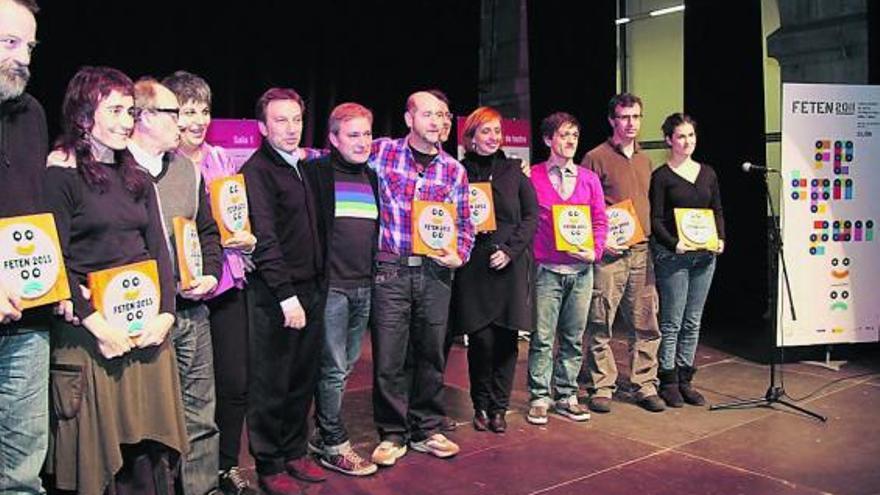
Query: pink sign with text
x=239 y=137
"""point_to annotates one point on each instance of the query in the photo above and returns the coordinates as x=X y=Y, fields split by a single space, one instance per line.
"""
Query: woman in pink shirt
x=229 y=319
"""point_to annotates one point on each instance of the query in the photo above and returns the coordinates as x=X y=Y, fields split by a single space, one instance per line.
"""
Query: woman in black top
x=116 y=412
x=493 y=294
x=684 y=274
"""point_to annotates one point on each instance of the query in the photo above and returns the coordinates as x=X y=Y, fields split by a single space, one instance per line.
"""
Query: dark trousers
x=147 y=469
x=229 y=335
x=492 y=353
x=283 y=374
x=410 y=310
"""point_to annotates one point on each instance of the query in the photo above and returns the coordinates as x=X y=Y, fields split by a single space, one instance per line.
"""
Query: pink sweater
x=587 y=191
x=215 y=165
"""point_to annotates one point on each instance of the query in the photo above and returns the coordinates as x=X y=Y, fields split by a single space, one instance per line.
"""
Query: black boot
x=669 y=390
x=688 y=393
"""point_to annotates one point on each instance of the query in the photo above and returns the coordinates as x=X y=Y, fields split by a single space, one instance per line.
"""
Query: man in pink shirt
x=564 y=281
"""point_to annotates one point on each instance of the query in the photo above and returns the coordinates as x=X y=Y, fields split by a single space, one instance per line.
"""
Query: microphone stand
x=775 y=394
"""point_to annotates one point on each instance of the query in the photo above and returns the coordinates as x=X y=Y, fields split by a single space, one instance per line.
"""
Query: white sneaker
x=387 y=453
x=437 y=445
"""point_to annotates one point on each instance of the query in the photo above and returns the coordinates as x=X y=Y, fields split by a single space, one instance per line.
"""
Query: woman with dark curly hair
x=116 y=418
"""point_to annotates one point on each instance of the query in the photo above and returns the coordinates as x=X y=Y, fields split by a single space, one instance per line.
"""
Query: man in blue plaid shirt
x=411 y=293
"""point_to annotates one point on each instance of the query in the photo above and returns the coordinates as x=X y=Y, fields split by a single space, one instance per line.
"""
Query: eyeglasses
x=174 y=112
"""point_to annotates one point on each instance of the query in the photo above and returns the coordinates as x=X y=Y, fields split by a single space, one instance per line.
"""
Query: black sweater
x=105 y=230
x=283 y=218
x=349 y=243
x=23 y=149
x=669 y=191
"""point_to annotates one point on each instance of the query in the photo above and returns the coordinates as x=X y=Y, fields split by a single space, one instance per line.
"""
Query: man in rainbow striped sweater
x=345 y=192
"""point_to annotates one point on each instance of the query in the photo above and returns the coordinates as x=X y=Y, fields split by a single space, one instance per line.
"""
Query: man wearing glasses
x=624 y=277
x=182 y=194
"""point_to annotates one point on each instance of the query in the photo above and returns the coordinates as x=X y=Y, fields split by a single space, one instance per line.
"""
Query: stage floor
x=632 y=451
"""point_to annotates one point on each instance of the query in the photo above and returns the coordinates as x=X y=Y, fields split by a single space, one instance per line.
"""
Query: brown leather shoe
x=497 y=423
x=280 y=484
x=306 y=469
x=481 y=420
x=599 y=405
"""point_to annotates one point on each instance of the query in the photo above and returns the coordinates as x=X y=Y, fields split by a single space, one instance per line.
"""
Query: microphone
x=748 y=167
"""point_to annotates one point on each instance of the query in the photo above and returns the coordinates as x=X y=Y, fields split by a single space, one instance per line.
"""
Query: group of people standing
x=277 y=316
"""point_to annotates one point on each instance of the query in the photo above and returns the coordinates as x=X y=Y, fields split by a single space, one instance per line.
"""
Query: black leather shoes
x=481 y=420
x=497 y=423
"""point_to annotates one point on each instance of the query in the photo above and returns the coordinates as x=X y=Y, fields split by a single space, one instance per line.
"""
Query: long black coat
x=482 y=295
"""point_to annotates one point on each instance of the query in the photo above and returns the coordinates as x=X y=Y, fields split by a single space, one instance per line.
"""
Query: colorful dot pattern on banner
x=821 y=191
x=825 y=231
x=838 y=154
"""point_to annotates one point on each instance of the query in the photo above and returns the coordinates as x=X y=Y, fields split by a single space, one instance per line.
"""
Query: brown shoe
x=652 y=403
x=280 y=484
x=481 y=420
x=306 y=469
x=497 y=423
x=599 y=405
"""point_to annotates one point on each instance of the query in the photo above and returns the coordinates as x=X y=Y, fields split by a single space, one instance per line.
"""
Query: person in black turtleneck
x=493 y=294
x=345 y=191
x=285 y=298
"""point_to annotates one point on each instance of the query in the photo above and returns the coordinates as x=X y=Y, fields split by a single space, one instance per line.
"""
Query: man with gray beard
x=24 y=334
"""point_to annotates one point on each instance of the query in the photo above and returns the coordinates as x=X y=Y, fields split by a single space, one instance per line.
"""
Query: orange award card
x=482 y=206
x=229 y=205
x=696 y=228
x=31 y=264
x=623 y=224
x=433 y=227
x=572 y=228
x=128 y=296
x=188 y=249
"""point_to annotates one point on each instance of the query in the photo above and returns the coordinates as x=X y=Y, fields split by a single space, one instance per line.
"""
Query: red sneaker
x=280 y=484
x=306 y=469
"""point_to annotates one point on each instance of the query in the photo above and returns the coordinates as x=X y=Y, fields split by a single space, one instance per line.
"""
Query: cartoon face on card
x=31 y=264
x=131 y=299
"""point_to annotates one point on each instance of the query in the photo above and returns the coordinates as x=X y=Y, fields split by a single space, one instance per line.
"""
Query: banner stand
x=828 y=363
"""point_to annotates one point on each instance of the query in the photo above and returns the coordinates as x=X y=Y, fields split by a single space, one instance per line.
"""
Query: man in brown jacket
x=624 y=279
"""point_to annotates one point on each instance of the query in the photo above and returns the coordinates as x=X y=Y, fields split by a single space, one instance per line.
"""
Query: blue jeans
x=191 y=336
x=563 y=303
x=24 y=410
x=683 y=281
x=345 y=320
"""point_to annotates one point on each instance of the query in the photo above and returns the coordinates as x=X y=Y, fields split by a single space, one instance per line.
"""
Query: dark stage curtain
x=572 y=64
x=874 y=42
x=724 y=92
x=331 y=51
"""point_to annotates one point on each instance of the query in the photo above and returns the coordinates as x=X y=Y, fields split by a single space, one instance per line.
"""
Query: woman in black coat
x=493 y=294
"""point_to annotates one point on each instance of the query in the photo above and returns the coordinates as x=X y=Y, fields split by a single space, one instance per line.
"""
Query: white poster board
x=830 y=178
